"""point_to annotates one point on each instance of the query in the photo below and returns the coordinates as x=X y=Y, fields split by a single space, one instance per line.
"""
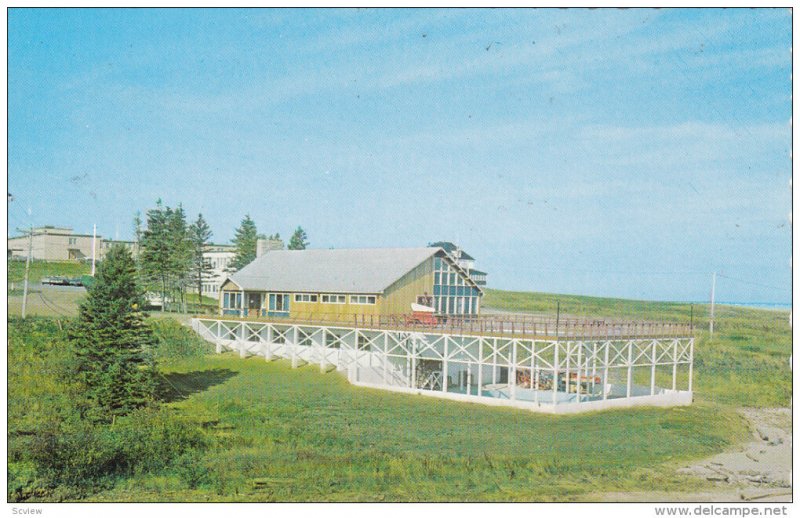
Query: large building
x=339 y=284
x=50 y=243
x=217 y=259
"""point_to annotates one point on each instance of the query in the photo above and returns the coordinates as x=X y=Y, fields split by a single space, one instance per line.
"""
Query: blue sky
x=604 y=152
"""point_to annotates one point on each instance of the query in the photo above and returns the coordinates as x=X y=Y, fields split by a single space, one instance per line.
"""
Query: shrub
x=174 y=341
x=79 y=457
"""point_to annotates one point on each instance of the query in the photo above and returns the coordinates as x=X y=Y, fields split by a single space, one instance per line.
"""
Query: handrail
x=506 y=325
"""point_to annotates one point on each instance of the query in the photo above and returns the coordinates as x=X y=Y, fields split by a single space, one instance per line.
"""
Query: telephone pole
x=27 y=269
x=711 y=322
x=94 y=239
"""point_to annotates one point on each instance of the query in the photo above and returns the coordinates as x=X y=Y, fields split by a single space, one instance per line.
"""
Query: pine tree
x=245 y=240
x=111 y=342
x=299 y=240
x=180 y=252
x=154 y=250
x=200 y=233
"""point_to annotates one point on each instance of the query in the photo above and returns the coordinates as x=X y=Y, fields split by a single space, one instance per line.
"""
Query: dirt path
x=758 y=471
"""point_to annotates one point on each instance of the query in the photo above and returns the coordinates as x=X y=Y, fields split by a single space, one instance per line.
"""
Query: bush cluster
x=70 y=459
x=174 y=341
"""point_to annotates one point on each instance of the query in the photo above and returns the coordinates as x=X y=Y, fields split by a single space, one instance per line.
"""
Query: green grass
x=279 y=434
x=746 y=364
x=39 y=269
x=299 y=435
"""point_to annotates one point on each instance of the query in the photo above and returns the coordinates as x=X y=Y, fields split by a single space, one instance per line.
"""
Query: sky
x=626 y=153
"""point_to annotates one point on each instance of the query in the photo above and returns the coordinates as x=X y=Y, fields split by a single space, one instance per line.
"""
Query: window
x=279 y=302
x=232 y=300
x=304 y=297
x=73 y=240
x=333 y=299
x=362 y=299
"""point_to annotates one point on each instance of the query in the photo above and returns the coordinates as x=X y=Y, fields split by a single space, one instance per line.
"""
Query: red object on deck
x=422 y=315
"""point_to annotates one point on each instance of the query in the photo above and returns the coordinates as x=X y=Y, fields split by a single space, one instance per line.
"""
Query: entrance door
x=254 y=304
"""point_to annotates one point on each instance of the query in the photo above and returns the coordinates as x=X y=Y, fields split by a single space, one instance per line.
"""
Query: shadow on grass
x=178 y=386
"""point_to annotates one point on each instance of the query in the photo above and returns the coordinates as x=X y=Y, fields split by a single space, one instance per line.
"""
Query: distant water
x=759 y=305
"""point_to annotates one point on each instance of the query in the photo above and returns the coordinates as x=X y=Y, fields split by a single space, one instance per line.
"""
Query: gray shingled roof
x=364 y=270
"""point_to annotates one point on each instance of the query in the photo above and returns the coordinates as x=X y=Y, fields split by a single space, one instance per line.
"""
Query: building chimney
x=261 y=247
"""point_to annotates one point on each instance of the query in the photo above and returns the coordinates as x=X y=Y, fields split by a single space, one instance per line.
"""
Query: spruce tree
x=299 y=240
x=199 y=233
x=154 y=250
x=112 y=343
x=245 y=240
x=180 y=252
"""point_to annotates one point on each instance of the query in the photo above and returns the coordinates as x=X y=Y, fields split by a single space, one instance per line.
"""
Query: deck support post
x=594 y=365
x=556 y=346
x=653 y=370
x=630 y=369
x=294 y=347
x=385 y=358
x=480 y=366
x=444 y=363
x=691 y=361
x=568 y=354
x=674 y=364
x=578 y=374
x=242 y=340
x=469 y=378
x=606 y=388
x=534 y=373
x=512 y=370
x=494 y=362
x=413 y=352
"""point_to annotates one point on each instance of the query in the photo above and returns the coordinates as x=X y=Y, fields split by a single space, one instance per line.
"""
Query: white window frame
x=363 y=300
x=330 y=298
x=302 y=298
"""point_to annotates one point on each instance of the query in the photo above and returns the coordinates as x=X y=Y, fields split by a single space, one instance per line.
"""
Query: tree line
x=170 y=258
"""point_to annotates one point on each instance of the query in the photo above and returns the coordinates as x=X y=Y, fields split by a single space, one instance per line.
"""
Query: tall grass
x=746 y=363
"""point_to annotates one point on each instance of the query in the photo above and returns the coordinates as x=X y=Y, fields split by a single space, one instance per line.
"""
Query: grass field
x=746 y=364
x=39 y=269
x=297 y=435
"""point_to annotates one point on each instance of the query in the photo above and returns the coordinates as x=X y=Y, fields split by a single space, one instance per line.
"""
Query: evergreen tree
x=199 y=233
x=154 y=250
x=111 y=342
x=299 y=240
x=180 y=254
x=245 y=240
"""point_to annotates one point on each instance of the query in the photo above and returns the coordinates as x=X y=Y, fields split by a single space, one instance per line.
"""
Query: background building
x=51 y=243
x=217 y=258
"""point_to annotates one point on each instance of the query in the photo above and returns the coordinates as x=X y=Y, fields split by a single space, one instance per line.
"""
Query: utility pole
x=94 y=239
x=27 y=269
x=711 y=322
x=558 y=315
